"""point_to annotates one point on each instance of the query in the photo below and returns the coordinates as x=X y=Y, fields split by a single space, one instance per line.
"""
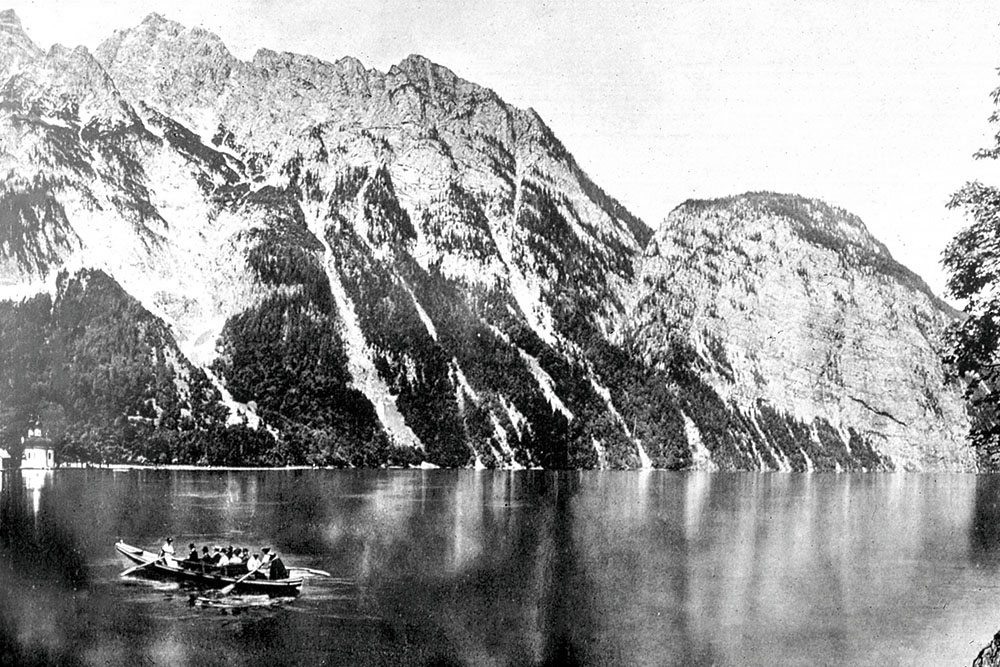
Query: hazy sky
x=872 y=106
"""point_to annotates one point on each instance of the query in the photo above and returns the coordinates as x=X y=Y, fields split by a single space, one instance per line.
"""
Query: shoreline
x=125 y=467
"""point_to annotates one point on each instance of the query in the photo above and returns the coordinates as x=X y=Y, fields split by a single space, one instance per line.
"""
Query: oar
x=309 y=570
x=226 y=590
x=139 y=567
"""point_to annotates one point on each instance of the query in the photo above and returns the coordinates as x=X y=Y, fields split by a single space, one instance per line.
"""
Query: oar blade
x=309 y=570
x=226 y=590
x=139 y=567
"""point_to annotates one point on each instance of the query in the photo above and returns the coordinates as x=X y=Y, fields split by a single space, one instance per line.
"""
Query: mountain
x=315 y=262
x=791 y=303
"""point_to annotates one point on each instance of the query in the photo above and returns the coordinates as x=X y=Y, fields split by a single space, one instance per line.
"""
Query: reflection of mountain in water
x=984 y=535
x=662 y=569
x=528 y=568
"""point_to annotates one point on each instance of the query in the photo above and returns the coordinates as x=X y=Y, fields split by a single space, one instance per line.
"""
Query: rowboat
x=207 y=579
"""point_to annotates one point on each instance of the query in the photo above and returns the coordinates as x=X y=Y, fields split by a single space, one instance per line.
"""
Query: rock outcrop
x=990 y=655
x=789 y=302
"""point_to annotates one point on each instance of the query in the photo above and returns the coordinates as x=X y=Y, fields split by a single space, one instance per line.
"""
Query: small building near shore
x=38 y=452
x=5 y=463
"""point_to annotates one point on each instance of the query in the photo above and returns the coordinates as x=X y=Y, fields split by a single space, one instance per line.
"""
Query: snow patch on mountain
x=644 y=461
x=428 y=324
x=517 y=419
x=602 y=454
x=545 y=383
x=361 y=362
x=701 y=458
x=463 y=382
x=500 y=433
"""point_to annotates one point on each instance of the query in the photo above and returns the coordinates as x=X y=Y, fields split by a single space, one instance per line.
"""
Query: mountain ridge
x=394 y=267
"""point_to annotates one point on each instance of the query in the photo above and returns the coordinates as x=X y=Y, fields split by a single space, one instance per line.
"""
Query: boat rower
x=266 y=556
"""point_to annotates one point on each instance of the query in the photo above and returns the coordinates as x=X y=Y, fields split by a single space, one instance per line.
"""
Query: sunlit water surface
x=525 y=568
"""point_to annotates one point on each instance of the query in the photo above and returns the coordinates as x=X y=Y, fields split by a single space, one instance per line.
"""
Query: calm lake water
x=526 y=568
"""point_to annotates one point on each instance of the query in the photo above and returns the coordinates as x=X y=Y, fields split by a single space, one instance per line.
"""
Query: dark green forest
x=98 y=373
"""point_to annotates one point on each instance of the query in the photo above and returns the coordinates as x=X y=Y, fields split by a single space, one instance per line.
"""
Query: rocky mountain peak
x=791 y=301
x=168 y=66
x=814 y=220
x=811 y=220
x=157 y=24
x=15 y=45
x=437 y=86
x=9 y=18
x=154 y=19
x=164 y=37
x=10 y=21
x=419 y=69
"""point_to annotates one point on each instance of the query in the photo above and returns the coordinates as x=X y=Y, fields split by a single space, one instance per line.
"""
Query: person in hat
x=236 y=562
x=265 y=563
x=278 y=569
x=193 y=553
x=167 y=552
x=205 y=560
x=272 y=564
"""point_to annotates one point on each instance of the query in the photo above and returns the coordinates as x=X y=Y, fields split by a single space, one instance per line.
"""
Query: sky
x=876 y=107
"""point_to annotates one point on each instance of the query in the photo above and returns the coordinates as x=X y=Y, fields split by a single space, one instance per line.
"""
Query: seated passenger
x=278 y=569
x=236 y=568
x=253 y=563
x=193 y=555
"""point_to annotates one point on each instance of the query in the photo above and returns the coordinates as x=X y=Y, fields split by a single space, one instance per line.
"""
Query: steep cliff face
x=382 y=267
x=989 y=656
x=791 y=303
x=330 y=242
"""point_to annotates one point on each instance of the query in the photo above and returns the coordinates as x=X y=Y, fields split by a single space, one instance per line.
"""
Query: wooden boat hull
x=276 y=587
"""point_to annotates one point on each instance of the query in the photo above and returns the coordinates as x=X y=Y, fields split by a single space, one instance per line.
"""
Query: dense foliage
x=102 y=377
x=286 y=355
x=33 y=225
x=973 y=262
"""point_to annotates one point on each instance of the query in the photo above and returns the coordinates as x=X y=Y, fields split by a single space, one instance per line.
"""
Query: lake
x=511 y=568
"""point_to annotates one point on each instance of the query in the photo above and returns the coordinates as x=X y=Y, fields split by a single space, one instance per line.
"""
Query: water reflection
x=39 y=556
x=502 y=568
x=985 y=534
x=34 y=482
